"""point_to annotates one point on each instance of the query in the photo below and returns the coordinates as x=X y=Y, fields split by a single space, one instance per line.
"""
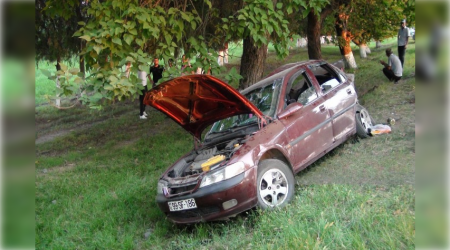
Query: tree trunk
x=377 y=44
x=363 y=50
x=346 y=50
x=58 y=86
x=344 y=38
x=81 y=60
x=313 y=35
x=220 y=58
x=349 y=60
x=82 y=42
x=176 y=53
x=252 y=63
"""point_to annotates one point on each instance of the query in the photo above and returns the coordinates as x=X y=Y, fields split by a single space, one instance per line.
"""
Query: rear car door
x=339 y=98
x=309 y=133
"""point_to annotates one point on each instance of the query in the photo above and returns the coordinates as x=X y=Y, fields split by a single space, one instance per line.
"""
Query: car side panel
x=340 y=103
x=309 y=133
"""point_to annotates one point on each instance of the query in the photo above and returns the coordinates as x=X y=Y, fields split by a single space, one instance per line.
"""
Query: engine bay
x=206 y=158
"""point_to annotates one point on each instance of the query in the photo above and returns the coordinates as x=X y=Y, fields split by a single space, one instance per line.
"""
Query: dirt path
x=43 y=137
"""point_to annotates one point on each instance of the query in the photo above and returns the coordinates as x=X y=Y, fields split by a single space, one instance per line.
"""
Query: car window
x=308 y=95
x=295 y=86
x=264 y=98
x=301 y=90
x=326 y=77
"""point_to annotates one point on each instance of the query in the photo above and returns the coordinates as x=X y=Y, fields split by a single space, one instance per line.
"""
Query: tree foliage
x=55 y=25
x=116 y=32
x=373 y=19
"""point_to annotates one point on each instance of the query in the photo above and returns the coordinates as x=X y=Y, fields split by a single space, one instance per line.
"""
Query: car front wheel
x=275 y=184
x=363 y=122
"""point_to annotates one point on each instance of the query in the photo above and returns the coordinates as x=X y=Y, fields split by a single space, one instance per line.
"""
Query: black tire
x=363 y=122
x=275 y=180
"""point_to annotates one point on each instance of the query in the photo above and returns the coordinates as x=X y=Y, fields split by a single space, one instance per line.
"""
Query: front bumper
x=210 y=200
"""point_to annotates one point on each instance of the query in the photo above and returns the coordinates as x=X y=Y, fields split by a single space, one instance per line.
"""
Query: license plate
x=182 y=205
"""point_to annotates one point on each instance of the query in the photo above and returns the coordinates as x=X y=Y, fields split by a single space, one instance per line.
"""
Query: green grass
x=96 y=176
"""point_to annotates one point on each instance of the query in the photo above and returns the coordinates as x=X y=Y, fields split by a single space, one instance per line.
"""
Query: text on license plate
x=182 y=205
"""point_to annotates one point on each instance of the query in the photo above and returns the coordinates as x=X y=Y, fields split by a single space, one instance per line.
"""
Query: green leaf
x=77 y=33
x=289 y=10
x=63 y=67
x=128 y=38
x=86 y=37
x=279 y=5
x=117 y=40
x=113 y=79
x=139 y=42
x=143 y=67
x=82 y=23
x=96 y=97
x=74 y=71
x=185 y=16
x=208 y=3
x=133 y=32
x=108 y=87
x=142 y=18
x=172 y=11
x=168 y=38
x=305 y=13
x=130 y=59
x=97 y=49
x=78 y=80
x=46 y=72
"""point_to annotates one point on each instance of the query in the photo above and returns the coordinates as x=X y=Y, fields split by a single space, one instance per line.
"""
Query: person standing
x=186 y=64
x=402 y=41
x=393 y=70
x=142 y=75
x=156 y=70
x=225 y=59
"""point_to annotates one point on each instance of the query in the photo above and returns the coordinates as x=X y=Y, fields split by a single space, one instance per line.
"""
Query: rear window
x=326 y=77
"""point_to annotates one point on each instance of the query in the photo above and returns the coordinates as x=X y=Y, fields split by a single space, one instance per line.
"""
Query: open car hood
x=197 y=101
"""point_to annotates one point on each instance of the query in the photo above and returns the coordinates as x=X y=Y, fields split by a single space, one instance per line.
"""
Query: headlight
x=161 y=185
x=223 y=174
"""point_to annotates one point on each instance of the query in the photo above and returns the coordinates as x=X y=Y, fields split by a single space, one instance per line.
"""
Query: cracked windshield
x=263 y=98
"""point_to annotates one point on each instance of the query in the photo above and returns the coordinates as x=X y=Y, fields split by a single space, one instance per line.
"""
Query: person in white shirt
x=393 y=69
x=402 y=40
x=142 y=75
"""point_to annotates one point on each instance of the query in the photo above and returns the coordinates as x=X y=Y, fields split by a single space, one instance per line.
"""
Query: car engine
x=206 y=159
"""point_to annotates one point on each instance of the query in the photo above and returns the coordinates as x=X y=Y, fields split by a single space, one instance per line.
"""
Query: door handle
x=349 y=91
x=322 y=107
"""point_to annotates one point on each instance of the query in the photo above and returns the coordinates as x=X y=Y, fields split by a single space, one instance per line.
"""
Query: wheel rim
x=273 y=187
x=366 y=122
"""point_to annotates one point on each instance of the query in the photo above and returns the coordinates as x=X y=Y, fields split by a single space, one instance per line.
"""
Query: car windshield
x=264 y=98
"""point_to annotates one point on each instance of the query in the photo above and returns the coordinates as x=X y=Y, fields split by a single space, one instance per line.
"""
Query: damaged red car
x=249 y=145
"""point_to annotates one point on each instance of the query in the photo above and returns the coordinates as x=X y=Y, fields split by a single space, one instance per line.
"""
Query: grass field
x=96 y=176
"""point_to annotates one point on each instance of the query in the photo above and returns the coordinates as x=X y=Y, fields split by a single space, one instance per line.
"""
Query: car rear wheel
x=275 y=184
x=363 y=122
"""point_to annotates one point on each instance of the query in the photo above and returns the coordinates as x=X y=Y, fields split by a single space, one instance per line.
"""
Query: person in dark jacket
x=156 y=72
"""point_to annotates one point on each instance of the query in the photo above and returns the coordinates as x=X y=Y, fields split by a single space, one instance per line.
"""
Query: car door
x=309 y=133
x=339 y=99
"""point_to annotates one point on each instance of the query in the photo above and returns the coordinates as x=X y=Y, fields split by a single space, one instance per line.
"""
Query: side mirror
x=290 y=109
